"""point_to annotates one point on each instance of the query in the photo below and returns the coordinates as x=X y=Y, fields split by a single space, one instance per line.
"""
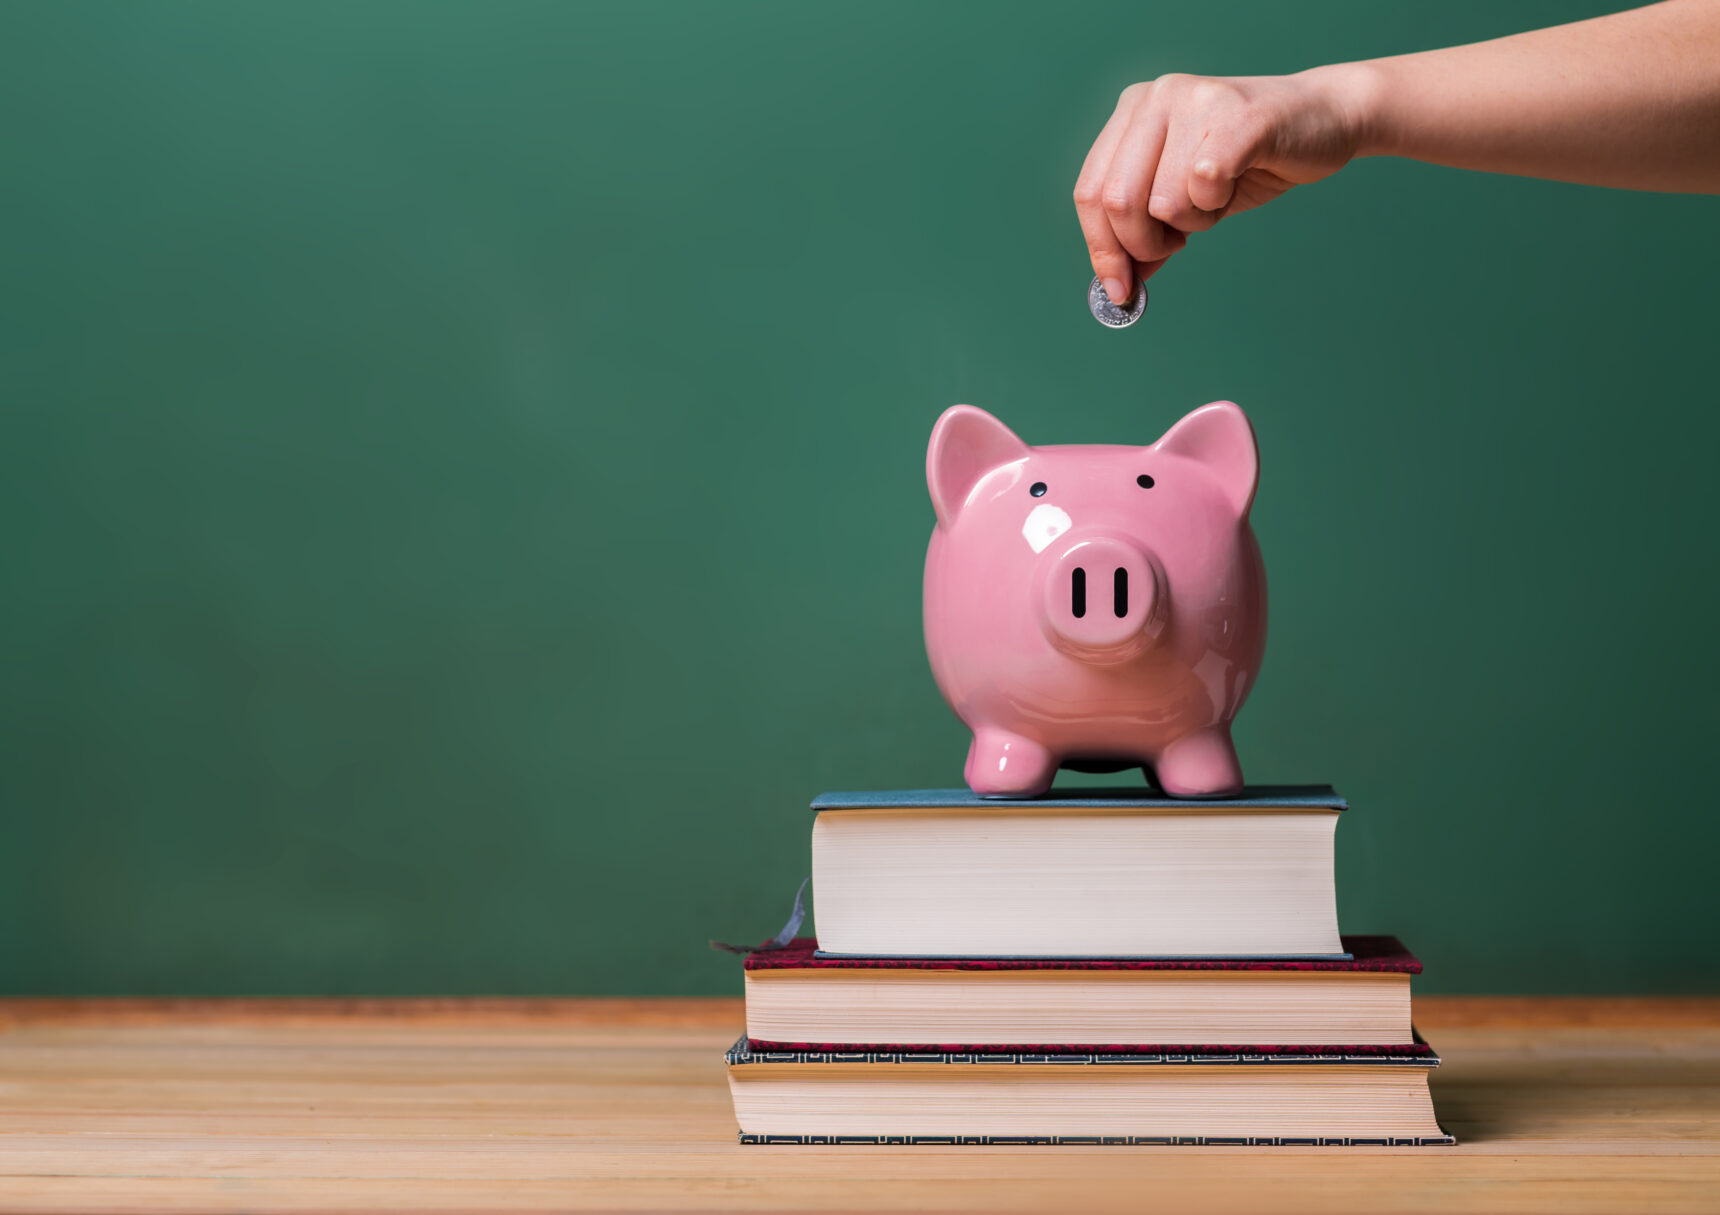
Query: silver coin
x=1111 y=316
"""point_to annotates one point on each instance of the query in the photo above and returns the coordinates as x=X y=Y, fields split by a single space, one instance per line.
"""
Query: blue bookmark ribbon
x=789 y=931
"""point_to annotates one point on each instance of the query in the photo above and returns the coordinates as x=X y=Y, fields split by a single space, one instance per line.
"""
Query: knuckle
x=1087 y=192
x=1211 y=197
x=1134 y=93
x=1211 y=93
x=1120 y=198
x=1165 y=209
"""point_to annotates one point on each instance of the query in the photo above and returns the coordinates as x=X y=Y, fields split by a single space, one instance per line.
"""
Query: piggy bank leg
x=1000 y=764
x=1202 y=764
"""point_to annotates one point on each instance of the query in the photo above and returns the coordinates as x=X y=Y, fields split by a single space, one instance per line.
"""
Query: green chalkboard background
x=461 y=483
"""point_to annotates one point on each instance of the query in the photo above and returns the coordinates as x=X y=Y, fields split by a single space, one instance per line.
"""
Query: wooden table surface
x=1567 y=1105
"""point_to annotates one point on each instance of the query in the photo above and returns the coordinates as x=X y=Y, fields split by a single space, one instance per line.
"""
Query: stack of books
x=1090 y=967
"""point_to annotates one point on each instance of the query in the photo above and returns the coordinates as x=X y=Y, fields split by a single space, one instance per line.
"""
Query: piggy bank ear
x=966 y=444
x=1219 y=436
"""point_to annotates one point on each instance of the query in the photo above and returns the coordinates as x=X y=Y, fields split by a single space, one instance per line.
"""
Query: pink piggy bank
x=1095 y=607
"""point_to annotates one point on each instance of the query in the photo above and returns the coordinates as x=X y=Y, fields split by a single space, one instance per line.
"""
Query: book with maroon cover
x=1100 y=1099
x=800 y=1000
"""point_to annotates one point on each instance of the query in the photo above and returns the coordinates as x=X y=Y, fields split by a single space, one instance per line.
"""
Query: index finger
x=1111 y=262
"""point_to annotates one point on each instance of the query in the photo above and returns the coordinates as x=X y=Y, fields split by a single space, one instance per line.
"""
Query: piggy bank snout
x=1099 y=598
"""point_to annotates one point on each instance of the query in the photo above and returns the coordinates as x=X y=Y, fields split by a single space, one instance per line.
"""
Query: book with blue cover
x=1260 y=797
x=1083 y=873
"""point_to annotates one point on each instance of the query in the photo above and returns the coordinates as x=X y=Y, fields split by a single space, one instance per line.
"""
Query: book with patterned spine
x=1160 y=1098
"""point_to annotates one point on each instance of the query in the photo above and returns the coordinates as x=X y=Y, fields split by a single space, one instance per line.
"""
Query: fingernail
x=1118 y=290
x=1207 y=169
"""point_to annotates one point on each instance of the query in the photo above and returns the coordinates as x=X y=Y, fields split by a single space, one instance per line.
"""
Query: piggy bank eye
x=1037 y=489
x=1144 y=481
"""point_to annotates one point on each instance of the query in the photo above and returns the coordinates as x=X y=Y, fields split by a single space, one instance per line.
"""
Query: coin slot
x=1078 y=593
x=1120 y=592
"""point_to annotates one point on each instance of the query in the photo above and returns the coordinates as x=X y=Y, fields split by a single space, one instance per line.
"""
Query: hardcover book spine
x=1407 y=1050
x=741 y=1054
x=1097 y=1140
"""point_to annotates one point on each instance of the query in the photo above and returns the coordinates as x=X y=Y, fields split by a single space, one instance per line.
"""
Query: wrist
x=1355 y=93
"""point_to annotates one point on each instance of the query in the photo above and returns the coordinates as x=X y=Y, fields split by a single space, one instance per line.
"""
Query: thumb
x=1221 y=158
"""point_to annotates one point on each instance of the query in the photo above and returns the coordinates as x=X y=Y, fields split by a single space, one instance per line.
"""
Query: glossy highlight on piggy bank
x=1095 y=607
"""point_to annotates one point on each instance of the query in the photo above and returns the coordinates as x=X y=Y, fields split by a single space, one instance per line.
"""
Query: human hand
x=1183 y=152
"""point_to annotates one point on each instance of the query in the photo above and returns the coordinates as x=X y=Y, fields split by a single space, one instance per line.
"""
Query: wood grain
x=567 y=1105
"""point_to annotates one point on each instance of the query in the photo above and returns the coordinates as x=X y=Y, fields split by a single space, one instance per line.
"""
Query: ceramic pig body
x=1095 y=606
